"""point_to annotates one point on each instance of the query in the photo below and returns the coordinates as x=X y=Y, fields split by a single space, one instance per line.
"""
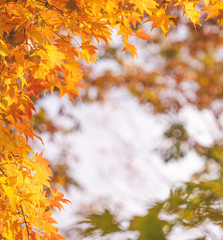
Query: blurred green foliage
x=105 y=223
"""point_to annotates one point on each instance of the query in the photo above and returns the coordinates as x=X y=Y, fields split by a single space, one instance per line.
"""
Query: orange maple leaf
x=142 y=35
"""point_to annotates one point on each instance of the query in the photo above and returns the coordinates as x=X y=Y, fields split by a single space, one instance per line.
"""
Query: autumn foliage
x=42 y=45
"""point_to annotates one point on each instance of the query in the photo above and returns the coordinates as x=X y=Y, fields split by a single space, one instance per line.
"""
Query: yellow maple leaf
x=55 y=57
x=131 y=48
x=11 y=192
x=3 y=49
x=206 y=2
x=147 y=6
x=214 y=10
x=192 y=13
x=42 y=170
x=162 y=19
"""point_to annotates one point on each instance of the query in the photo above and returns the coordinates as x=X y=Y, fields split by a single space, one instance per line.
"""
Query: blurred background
x=140 y=154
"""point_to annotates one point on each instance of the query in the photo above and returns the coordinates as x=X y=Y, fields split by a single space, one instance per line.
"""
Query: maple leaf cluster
x=41 y=45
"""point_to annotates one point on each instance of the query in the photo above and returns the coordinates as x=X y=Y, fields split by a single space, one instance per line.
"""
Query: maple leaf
x=206 y=2
x=134 y=18
x=191 y=11
x=11 y=193
x=214 y=10
x=3 y=49
x=144 y=5
x=162 y=19
x=57 y=199
x=42 y=170
x=131 y=48
x=144 y=36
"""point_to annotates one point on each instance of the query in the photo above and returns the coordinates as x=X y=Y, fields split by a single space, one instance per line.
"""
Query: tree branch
x=58 y=35
x=26 y=224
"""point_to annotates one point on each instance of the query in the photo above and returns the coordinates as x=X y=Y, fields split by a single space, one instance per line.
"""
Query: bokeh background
x=140 y=154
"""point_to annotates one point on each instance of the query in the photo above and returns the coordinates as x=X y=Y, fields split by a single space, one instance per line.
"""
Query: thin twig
x=3 y=172
x=3 y=156
x=47 y=5
x=58 y=35
x=1 y=73
x=24 y=217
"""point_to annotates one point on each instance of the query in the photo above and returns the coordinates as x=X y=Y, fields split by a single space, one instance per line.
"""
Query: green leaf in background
x=151 y=227
x=104 y=222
